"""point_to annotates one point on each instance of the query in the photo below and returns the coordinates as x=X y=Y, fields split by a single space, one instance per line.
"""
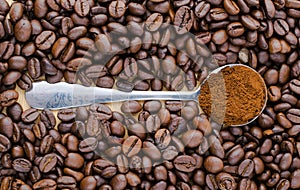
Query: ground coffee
x=233 y=96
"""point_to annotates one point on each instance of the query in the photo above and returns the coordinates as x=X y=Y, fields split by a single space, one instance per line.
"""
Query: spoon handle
x=63 y=95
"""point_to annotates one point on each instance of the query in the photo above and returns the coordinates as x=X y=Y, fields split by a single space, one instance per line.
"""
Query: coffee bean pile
x=153 y=144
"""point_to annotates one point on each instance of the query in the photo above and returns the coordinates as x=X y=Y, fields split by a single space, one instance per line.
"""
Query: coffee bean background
x=152 y=144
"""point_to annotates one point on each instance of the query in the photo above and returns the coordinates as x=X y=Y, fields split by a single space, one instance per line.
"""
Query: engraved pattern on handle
x=63 y=95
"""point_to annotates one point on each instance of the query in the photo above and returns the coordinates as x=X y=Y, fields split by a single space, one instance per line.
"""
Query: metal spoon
x=63 y=95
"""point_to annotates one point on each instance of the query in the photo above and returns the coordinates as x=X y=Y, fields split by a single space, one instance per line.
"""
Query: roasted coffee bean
x=141 y=85
x=154 y=21
x=117 y=9
x=281 y=27
x=29 y=151
x=169 y=153
x=192 y=138
x=156 y=85
x=61 y=149
x=118 y=181
x=231 y=7
x=30 y=115
x=213 y=164
x=22 y=30
x=136 y=9
x=6 y=183
x=93 y=126
x=105 y=82
x=6 y=127
x=131 y=146
x=271 y=77
x=66 y=182
x=8 y=98
x=131 y=107
x=178 y=126
x=40 y=8
x=66 y=24
x=99 y=20
x=246 y=168
x=47 y=117
x=285 y=161
x=188 y=112
x=164 y=116
x=103 y=44
x=161 y=7
x=88 y=183
x=183 y=20
x=152 y=123
x=47 y=163
x=169 y=65
x=11 y=77
x=151 y=150
x=104 y=167
x=162 y=138
x=202 y=9
x=45 y=184
x=77 y=32
x=16 y=11
x=2 y=29
x=7 y=49
x=82 y=7
x=174 y=106
x=74 y=161
x=14 y=112
x=78 y=63
x=66 y=115
x=274 y=93
x=235 y=29
x=270 y=8
x=5 y=144
x=295 y=86
x=249 y=22
x=152 y=106
x=294 y=183
x=220 y=37
x=3 y=67
x=45 y=40
x=101 y=111
x=4 y=8
x=185 y=163
x=235 y=155
x=133 y=179
x=25 y=82
x=95 y=71
x=218 y=14
x=21 y=165
x=34 y=68
x=283 y=184
x=138 y=130
x=17 y=63
x=247 y=184
x=225 y=180
x=39 y=129
x=63 y=50
x=293 y=115
x=68 y=4
x=88 y=145
x=46 y=144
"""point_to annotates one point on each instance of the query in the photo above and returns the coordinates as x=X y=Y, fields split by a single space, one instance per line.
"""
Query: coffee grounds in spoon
x=233 y=96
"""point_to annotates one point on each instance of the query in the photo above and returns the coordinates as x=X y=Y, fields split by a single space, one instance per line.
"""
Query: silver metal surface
x=63 y=95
